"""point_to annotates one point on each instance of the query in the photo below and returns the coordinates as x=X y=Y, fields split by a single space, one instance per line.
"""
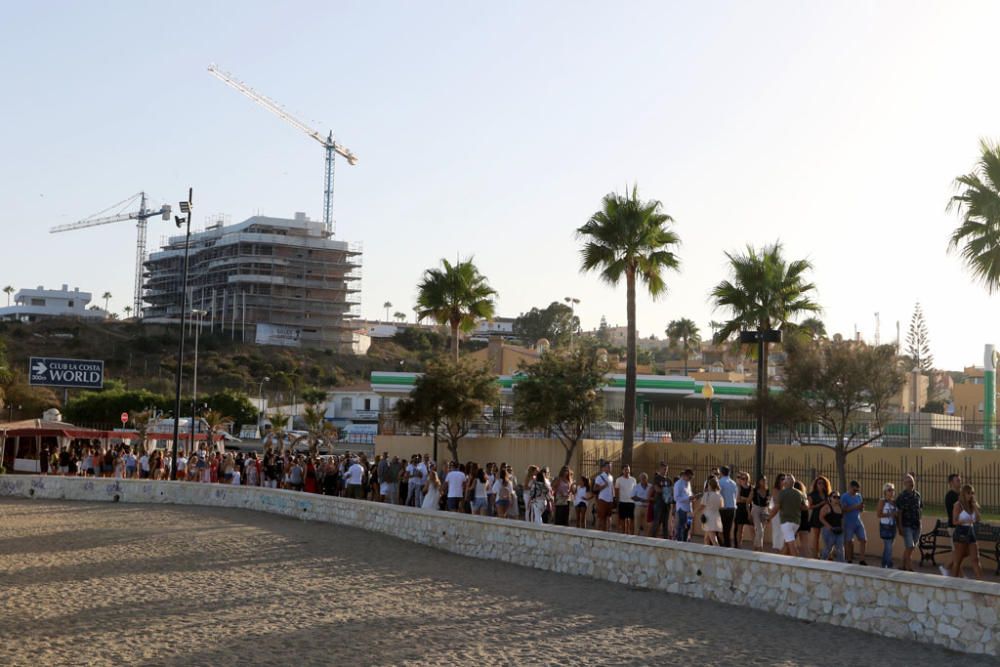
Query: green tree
x=314 y=396
x=399 y=316
x=555 y=323
x=765 y=292
x=387 y=305
x=918 y=342
x=8 y=290
x=448 y=397
x=631 y=239
x=278 y=433
x=845 y=387
x=812 y=327
x=107 y=297
x=978 y=205
x=456 y=295
x=562 y=391
x=236 y=404
x=683 y=333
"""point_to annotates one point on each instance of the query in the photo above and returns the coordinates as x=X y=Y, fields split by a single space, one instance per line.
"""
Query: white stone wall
x=957 y=613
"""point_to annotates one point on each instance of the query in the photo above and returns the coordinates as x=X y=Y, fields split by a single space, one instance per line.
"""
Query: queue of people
x=817 y=522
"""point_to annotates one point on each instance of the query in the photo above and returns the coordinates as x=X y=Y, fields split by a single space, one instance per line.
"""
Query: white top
x=641 y=493
x=496 y=486
x=355 y=474
x=236 y=477
x=682 y=494
x=455 y=480
x=607 y=494
x=966 y=518
x=181 y=463
x=144 y=462
x=480 y=489
x=581 y=496
x=625 y=486
x=421 y=472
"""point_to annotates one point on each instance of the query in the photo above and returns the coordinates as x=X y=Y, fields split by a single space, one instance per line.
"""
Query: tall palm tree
x=686 y=332
x=387 y=305
x=457 y=295
x=8 y=290
x=128 y=311
x=399 y=316
x=765 y=292
x=629 y=238
x=106 y=296
x=978 y=204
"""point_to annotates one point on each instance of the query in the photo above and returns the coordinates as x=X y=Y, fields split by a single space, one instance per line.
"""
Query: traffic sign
x=73 y=373
x=124 y=418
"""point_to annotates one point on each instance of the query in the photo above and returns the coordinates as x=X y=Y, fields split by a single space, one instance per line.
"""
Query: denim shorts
x=453 y=503
x=911 y=537
x=852 y=530
x=478 y=504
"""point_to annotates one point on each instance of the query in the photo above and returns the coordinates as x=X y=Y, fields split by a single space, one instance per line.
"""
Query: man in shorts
x=789 y=508
x=604 y=487
x=853 y=505
x=911 y=507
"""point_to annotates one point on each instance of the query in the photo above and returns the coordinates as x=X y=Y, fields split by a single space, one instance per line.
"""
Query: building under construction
x=271 y=280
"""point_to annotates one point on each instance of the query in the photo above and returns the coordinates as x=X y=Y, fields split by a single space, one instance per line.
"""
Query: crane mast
x=141 y=217
x=331 y=147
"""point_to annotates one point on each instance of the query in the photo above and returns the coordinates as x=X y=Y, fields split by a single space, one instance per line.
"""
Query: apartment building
x=275 y=281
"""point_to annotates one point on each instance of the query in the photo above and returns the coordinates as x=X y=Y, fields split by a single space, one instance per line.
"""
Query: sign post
x=124 y=419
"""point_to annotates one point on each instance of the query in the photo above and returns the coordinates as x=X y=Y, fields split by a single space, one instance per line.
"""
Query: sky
x=493 y=130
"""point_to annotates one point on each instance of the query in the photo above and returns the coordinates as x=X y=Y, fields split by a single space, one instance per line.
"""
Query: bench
x=937 y=541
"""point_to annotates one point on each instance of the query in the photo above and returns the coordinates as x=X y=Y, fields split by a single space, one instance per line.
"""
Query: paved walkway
x=100 y=584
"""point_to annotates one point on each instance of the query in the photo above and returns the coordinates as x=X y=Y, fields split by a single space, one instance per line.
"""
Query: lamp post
x=708 y=391
x=186 y=208
x=194 y=382
x=573 y=303
x=260 y=404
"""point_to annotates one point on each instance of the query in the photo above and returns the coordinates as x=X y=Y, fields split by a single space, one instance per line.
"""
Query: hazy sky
x=494 y=129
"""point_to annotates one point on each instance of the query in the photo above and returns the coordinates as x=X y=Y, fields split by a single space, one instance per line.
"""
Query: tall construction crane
x=332 y=147
x=140 y=216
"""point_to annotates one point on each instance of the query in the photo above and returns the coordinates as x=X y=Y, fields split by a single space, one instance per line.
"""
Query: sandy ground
x=99 y=584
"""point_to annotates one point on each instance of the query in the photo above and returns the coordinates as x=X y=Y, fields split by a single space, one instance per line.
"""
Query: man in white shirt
x=455 y=480
x=181 y=466
x=420 y=476
x=144 y=466
x=682 y=498
x=355 y=478
x=624 y=487
x=604 y=487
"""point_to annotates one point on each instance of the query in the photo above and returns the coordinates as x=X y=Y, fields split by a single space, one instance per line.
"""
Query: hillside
x=144 y=356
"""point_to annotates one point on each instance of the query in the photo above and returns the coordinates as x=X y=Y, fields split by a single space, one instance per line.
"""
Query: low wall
x=960 y=614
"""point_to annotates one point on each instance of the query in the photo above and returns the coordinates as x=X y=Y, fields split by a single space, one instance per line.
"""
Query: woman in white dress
x=711 y=516
x=432 y=491
x=777 y=541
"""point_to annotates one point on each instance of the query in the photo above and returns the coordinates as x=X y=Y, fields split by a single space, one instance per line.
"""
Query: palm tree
x=279 y=422
x=631 y=238
x=8 y=290
x=387 y=305
x=318 y=429
x=685 y=331
x=978 y=204
x=217 y=423
x=106 y=296
x=812 y=327
x=399 y=317
x=765 y=292
x=457 y=295
x=128 y=311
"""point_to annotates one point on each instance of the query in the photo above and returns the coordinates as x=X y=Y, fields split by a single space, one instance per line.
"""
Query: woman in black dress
x=819 y=497
x=742 y=507
x=804 y=525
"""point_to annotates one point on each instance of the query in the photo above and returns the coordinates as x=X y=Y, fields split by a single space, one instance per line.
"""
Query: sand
x=101 y=584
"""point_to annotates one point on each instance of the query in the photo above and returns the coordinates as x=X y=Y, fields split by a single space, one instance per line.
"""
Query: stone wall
x=957 y=613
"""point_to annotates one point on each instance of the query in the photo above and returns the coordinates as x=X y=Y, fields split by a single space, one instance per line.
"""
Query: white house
x=356 y=404
x=31 y=304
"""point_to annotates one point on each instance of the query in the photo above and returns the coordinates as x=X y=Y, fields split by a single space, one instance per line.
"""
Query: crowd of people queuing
x=814 y=522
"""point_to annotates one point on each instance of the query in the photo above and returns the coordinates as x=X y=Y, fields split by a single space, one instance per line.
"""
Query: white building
x=31 y=304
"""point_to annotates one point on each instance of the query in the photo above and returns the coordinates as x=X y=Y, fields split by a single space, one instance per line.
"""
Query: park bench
x=937 y=541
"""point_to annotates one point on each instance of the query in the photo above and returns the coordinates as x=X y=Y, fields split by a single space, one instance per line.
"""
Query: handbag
x=886 y=531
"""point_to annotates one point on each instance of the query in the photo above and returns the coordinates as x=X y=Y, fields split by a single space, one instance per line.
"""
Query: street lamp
x=260 y=405
x=194 y=382
x=708 y=391
x=573 y=303
x=186 y=208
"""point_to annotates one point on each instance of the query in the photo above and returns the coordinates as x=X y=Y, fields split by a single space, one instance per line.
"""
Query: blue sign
x=73 y=373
